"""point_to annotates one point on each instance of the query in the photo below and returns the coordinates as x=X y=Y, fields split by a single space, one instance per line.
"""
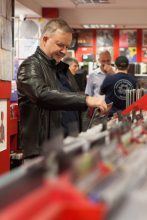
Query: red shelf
x=54 y=200
x=141 y=104
x=5 y=93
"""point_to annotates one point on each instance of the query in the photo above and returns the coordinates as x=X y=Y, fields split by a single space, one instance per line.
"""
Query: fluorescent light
x=91 y=2
x=94 y=26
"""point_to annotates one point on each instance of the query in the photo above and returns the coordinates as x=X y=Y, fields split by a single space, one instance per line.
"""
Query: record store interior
x=73 y=109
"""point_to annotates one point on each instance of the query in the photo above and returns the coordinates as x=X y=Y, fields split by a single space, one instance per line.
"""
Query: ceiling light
x=94 y=26
x=93 y=2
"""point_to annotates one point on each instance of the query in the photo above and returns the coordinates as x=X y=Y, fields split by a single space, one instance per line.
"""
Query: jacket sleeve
x=31 y=85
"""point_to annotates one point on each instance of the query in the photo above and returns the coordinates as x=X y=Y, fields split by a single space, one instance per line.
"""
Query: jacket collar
x=61 y=66
x=44 y=56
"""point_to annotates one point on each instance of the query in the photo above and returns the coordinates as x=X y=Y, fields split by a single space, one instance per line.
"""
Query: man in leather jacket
x=40 y=98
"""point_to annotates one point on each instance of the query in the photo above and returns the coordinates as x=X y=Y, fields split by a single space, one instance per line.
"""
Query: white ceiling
x=123 y=13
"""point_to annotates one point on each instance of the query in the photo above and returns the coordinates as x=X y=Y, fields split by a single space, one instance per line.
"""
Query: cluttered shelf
x=89 y=175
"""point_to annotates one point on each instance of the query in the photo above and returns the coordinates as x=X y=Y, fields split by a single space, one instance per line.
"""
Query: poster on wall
x=104 y=38
x=130 y=53
x=127 y=38
x=3 y=125
x=82 y=51
x=144 y=54
x=144 y=40
x=85 y=38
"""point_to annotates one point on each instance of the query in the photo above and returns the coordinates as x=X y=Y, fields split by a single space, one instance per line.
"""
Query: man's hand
x=108 y=69
x=97 y=102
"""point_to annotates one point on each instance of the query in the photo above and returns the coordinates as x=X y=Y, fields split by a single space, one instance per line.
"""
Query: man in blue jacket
x=114 y=86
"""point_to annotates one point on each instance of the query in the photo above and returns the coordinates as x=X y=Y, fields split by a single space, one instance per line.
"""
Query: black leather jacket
x=40 y=101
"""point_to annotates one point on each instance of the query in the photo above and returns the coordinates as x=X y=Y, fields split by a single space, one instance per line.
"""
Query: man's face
x=74 y=68
x=56 y=45
x=104 y=59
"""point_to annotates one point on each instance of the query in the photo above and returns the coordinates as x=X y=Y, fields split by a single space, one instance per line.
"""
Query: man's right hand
x=97 y=102
x=109 y=69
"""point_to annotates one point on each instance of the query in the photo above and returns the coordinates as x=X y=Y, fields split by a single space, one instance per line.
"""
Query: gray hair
x=56 y=24
x=104 y=52
x=70 y=60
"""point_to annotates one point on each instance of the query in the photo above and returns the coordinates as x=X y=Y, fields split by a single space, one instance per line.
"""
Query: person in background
x=95 y=79
x=71 y=120
x=73 y=64
x=73 y=68
x=114 y=86
x=81 y=77
x=41 y=99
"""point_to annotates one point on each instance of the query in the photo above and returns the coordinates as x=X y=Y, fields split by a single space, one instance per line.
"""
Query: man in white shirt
x=95 y=79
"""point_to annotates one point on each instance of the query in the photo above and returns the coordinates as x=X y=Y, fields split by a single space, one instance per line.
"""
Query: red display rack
x=14 y=118
x=54 y=200
x=5 y=93
x=140 y=104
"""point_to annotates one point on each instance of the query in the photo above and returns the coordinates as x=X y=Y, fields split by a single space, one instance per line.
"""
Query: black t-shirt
x=114 y=87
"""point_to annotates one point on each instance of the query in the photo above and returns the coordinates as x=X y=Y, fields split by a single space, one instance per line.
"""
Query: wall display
x=3 y=125
x=144 y=38
x=70 y=53
x=127 y=44
x=86 y=44
x=104 y=38
x=81 y=51
x=74 y=43
x=127 y=38
x=132 y=56
x=130 y=53
x=123 y=39
x=144 y=54
x=85 y=38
